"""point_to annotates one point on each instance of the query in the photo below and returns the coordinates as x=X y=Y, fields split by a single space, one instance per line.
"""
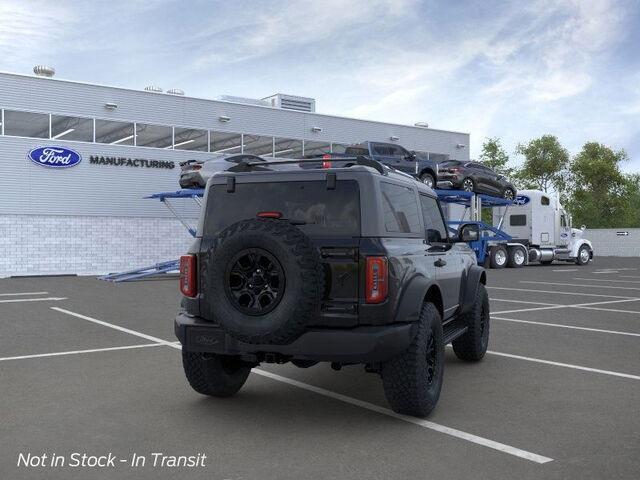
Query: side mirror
x=469 y=232
x=583 y=227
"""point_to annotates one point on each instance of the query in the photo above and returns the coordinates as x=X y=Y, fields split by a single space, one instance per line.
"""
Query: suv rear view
x=301 y=267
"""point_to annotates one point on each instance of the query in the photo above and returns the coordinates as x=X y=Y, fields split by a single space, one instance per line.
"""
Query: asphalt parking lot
x=90 y=366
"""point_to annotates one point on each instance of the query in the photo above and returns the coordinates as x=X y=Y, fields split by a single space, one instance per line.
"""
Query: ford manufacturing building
x=91 y=217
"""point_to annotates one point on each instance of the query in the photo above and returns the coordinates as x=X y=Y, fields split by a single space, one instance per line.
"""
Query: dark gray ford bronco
x=348 y=265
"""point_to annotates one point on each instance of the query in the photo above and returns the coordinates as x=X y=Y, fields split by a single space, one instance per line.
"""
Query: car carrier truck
x=539 y=225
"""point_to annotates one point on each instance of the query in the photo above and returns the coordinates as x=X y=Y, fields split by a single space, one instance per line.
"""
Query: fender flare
x=576 y=247
x=430 y=171
x=412 y=298
x=475 y=276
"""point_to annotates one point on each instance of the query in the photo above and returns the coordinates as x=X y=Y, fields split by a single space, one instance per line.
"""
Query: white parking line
x=629 y=276
x=581 y=285
x=566 y=365
x=76 y=352
x=578 y=294
x=23 y=293
x=566 y=270
x=533 y=457
x=577 y=305
x=115 y=327
x=353 y=401
x=608 y=280
x=47 y=299
x=522 y=301
x=573 y=327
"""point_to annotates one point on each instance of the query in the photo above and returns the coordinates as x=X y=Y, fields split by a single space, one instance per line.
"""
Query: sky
x=513 y=70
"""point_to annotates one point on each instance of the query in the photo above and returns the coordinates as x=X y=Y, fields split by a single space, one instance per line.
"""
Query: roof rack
x=359 y=160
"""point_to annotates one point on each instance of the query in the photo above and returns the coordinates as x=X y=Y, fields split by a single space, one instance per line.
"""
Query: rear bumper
x=354 y=345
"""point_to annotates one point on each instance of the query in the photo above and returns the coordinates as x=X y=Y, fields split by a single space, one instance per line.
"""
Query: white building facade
x=90 y=217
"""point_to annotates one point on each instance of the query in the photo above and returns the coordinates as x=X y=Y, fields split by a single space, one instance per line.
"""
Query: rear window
x=355 y=151
x=325 y=212
x=400 y=209
x=450 y=163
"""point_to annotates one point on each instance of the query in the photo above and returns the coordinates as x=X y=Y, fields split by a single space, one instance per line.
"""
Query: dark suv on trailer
x=475 y=177
x=348 y=265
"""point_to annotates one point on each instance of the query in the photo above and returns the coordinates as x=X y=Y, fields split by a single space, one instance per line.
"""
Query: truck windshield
x=316 y=210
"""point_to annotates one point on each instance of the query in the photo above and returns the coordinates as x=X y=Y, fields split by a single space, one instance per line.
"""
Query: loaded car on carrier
x=348 y=265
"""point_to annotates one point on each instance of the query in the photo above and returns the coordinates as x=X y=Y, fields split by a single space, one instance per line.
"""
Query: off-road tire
x=579 y=260
x=214 y=375
x=495 y=252
x=473 y=344
x=428 y=176
x=512 y=262
x=406 y=378
x=302 y=293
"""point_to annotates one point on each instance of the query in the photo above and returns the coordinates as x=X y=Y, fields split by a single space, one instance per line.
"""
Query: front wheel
x=584 y=255
x=412 y=380
x=473 y=344
x=214 y=375
x=468 y=185
x=508 y=194
x=428 y=180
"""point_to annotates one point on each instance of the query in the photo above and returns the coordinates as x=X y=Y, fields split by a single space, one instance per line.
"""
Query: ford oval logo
x=55 y=157
x=521 y=200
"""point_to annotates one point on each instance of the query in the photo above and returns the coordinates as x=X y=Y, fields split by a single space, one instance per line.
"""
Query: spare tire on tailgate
x=264 y=281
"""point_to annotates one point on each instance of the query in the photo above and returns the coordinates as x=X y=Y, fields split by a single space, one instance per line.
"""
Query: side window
x=563 y=221
x=435 y=229
x=396 y=151
x=400 y=209
x=379 y=149
x=517 y=220
x=544 y=200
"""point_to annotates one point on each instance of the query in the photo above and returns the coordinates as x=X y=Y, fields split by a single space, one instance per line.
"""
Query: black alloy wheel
x=255 y=281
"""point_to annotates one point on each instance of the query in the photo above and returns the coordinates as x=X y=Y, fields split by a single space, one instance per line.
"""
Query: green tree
x=545 y=164
x=601 y=195
x=495 y=157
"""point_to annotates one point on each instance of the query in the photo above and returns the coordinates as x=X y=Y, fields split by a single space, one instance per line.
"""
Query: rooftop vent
x=292 y=102
x=153 y=88
x=175 y=91
x=44 y=71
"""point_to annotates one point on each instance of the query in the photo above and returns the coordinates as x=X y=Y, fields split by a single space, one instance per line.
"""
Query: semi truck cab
x=538 y=221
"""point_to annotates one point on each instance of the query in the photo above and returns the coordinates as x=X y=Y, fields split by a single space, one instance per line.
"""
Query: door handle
x=440 y=263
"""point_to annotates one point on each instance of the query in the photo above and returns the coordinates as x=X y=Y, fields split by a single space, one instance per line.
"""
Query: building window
x=400 y=209
x=338 y=147
x=287 y=148
x=157 y=136
x=190 y=139
x=257 y=145
x=226 y=142
x=316 y=148
x=114 y=133
x=26 y=124
x=71 y=128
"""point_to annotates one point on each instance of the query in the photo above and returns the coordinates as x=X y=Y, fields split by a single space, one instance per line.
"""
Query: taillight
x=377 y=280
x=188 y=285
x=326 y=164
x=326 y=156
x=269 y=215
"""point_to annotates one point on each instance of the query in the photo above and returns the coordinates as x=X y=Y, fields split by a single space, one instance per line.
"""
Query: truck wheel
x=214 y=375
x=584 y=255
x=263 y=280
x=498 y=256
x=517 y=257
x=473 y=345
x=412 y=380
x=428 y=180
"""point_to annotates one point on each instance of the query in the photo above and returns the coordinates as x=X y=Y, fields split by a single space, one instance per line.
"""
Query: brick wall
x=609 y=242
x=52 y=245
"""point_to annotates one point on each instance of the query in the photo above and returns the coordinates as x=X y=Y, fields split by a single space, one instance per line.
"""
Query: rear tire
x=517 y=257
x=412 y=380
x=472 y=346
x=468 y=185
x=214 y=375
x=498 y=256
x=508 y=194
